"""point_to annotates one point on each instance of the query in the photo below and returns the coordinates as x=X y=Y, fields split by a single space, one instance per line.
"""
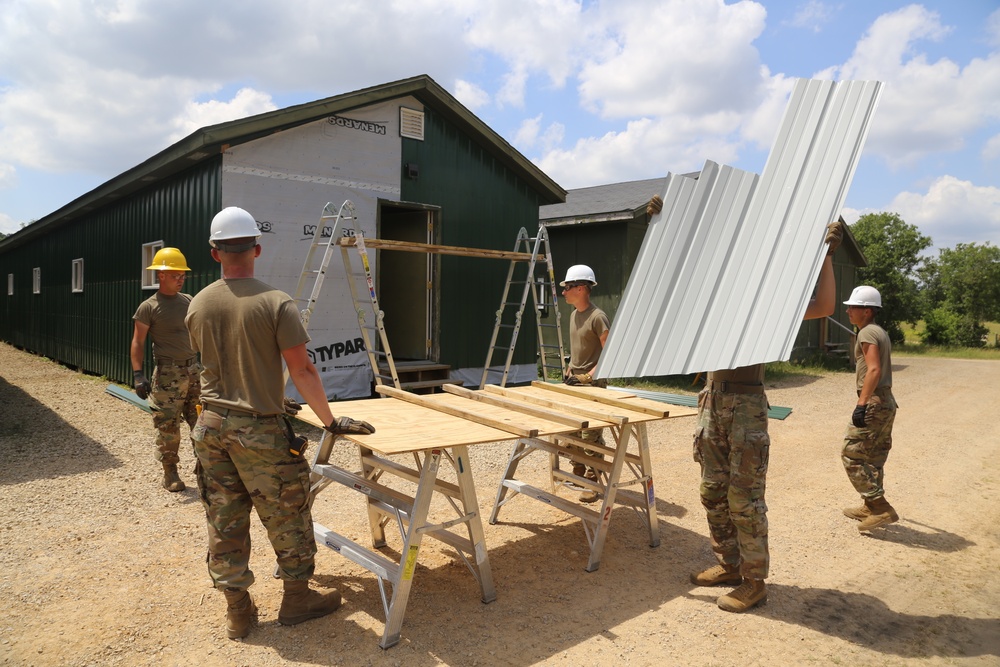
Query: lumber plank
x=412 y=246
x=520 y=406
x=430 y=402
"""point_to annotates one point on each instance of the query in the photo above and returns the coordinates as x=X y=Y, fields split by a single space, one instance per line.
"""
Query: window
x=149 y=251
x=10 y=284
x=36 y=280
x=78 y=275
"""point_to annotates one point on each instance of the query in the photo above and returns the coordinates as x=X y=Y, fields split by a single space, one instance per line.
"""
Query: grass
x=913 y=346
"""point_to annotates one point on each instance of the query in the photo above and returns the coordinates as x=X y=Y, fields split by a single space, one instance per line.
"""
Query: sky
x=593 y=92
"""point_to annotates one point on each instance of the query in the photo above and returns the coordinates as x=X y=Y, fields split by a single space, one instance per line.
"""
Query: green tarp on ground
x=691 y=400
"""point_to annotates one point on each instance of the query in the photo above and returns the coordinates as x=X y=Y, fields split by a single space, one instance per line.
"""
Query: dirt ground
x=101 y=566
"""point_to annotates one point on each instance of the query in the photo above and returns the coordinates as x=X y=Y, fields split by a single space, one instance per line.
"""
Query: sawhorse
x=625 y=417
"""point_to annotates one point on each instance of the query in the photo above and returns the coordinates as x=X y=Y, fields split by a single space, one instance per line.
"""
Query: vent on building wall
x=411 y=123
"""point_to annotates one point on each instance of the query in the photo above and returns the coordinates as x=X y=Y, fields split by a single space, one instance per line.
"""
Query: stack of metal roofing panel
x=727 y=268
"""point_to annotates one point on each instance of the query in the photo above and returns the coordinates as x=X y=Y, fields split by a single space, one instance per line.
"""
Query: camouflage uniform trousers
x=595 y=435
x=732 y=446
x=244 y=464
x=174 y=396
x=866 y=449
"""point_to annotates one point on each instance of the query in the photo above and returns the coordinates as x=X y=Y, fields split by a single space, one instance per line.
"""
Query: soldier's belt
x=235 y=412
x=735 y=387
x=167 y=361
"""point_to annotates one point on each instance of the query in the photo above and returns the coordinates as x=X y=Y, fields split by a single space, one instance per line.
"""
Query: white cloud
x=991 y=149
x=993 y=28
x=8 y=176
x=532 y=35
x=470 y=94
x=7 y=224
x=527 y=133
x=107 y=84
x=246 y=102
x=660 y=55
x=812 y=16
x=952 y=211
x=926 y=107
x=646 y=148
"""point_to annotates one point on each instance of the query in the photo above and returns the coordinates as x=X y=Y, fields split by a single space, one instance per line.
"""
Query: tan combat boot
x=588 y=496
x=171 y=480
x=750 y=593
x=300 y=603
x=882 y=514
x=858 y=513
x=239 y=614
x=715 y=575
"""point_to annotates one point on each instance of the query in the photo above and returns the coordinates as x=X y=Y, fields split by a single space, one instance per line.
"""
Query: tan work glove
x=291 y=407
x=579 y=379
x=834 y=235
x=347 y=425
x=654 y=206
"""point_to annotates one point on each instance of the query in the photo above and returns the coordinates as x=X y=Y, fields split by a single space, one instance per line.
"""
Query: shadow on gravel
x=546 y=602
x=924 y=537
x=867 y=621
x=35 y=443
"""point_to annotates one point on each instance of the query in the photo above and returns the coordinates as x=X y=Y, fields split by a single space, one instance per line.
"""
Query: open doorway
x=407 y=289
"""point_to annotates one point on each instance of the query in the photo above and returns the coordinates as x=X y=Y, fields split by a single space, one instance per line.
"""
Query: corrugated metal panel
x=727 y=268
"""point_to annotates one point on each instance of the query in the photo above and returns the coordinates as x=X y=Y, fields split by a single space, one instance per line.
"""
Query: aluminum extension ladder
x=537 y=281
x=367 y=308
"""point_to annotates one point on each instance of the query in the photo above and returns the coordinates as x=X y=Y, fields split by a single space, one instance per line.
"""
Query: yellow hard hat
x=168 y=259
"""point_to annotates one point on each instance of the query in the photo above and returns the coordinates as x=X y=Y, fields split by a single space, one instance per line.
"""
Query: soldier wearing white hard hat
x=869 y=435
x=588 y=331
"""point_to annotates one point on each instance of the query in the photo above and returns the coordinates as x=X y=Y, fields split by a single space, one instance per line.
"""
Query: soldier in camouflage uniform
x=732 y=446
x=243 y=329
x=869 y=435
x=588 y=331
x=173 y=393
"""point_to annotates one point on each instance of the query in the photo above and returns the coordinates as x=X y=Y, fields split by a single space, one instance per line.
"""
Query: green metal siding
x=483 y=205
x=92 y=330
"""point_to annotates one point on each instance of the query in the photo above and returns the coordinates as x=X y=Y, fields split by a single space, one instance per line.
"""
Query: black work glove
x=654 y=206
x=141 y=384
x=858 y=417
x=347 y=425
x=834 y=235
x=579 y=379
x=292 y=408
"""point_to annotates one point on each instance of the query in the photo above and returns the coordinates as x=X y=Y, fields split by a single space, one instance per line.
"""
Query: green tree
x=970 y=280
x=893 y=249
x=962 y=290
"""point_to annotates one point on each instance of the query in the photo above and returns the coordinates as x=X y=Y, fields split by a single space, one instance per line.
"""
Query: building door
x=406 y=280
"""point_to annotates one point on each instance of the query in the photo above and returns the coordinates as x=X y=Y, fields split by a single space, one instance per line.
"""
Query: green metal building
x=416 y=164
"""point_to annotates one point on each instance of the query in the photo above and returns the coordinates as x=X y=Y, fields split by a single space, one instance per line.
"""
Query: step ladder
x=535 y=276
x=370 y=315
x=316 y=271
x=314 y=268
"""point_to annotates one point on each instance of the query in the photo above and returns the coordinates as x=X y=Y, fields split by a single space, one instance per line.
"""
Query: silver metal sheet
x=727 y=268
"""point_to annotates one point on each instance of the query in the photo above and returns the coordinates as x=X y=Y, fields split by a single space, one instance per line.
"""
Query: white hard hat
x=579 y=272
x=865 y=296
x=233 y=222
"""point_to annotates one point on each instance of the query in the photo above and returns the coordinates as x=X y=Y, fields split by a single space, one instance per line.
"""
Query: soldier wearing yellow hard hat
x=176 y=384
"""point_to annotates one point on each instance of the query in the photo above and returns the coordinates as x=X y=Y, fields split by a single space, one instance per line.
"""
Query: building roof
x=727 y=268
x=210 y=141
x=602 y=203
